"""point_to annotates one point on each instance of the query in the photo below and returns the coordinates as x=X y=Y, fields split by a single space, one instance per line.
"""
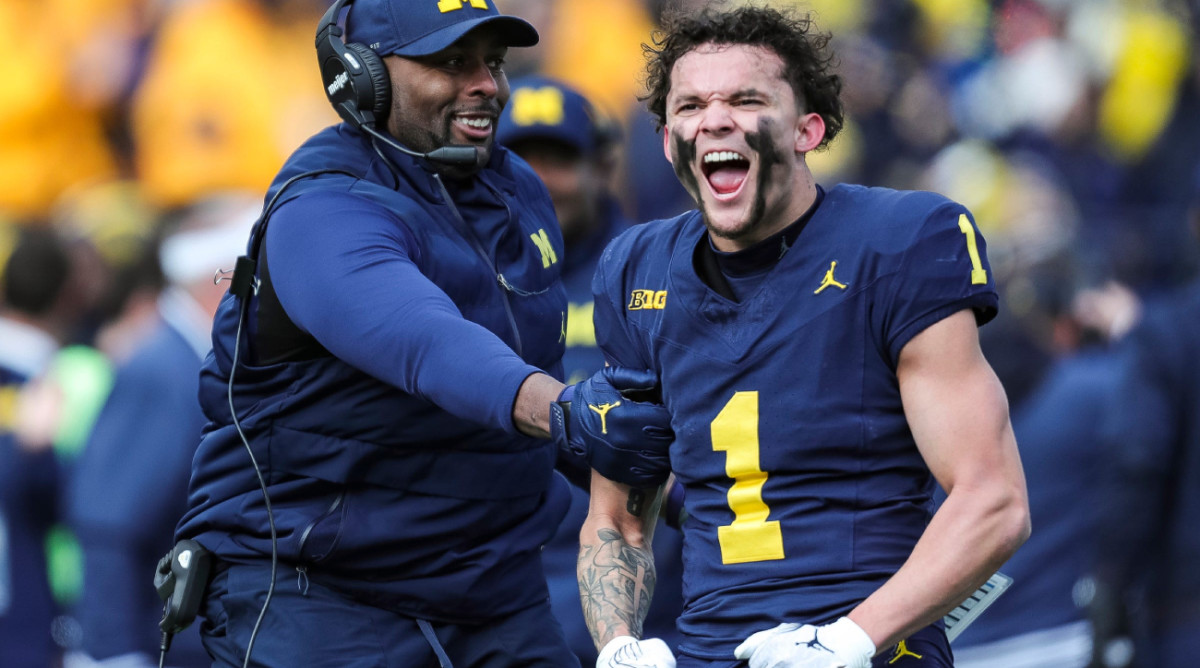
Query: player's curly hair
x=807 y=63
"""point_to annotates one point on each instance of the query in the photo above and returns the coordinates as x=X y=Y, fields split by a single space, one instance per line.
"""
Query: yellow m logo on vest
x=543 y=244
x=451 y=5
x=531 y=106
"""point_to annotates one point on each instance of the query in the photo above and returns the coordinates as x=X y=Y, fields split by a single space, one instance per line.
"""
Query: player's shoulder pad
x=891 y=220
x=656 y=238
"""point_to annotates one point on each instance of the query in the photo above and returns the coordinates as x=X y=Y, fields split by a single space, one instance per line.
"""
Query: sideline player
x=818 y=353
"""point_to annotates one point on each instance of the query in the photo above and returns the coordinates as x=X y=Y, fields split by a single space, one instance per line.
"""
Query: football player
x=817 y=349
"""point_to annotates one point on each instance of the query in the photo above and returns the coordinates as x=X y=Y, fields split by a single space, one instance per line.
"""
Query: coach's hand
x=842 y=644
x=626 y=440
x=629 y=652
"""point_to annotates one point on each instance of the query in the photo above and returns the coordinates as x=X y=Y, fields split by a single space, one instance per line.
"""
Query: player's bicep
x=956 y=407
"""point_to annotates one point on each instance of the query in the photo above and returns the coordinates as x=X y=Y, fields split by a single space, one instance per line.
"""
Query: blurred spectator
x=54 y=413
x=1147 y=586
x=571 y=147
x=596 y=47
x=34 y=315
x=112 y=233
x=1039 y=622
x=541 y=15
x=229 y=91
x=66 y=63
x=1156 y=249
x=131 y=484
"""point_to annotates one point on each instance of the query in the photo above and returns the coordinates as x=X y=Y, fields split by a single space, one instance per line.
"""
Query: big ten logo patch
x=644 y=300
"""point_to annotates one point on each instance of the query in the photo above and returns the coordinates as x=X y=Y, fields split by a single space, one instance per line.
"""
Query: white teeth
x=476 y=122
x=722 y=156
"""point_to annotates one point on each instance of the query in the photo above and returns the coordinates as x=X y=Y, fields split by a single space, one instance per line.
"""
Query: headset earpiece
x=355 y=79
x=381 y=86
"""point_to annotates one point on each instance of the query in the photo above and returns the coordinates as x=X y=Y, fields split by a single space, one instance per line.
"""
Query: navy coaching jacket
x=399 y=313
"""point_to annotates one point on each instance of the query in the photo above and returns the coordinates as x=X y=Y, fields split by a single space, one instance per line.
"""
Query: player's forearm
x=956 y=408
x=972 y=534
x=616 y=565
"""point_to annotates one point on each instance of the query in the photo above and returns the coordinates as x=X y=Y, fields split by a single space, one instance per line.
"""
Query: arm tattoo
x=616 y=581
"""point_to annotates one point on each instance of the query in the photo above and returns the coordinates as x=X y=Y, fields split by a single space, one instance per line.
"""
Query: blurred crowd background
x=1070 y=128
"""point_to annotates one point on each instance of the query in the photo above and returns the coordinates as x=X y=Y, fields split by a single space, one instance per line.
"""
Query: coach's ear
x=666 y=132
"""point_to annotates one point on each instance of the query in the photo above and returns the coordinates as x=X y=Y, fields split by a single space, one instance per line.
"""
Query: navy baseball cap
x=422 y=27
x=546 y=109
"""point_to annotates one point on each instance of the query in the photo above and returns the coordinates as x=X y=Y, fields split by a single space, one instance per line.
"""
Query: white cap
x=210 y=237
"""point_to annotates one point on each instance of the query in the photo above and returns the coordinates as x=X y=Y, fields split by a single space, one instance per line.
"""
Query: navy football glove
x=626 y=440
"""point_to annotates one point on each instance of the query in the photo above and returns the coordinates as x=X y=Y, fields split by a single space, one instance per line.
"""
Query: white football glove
x=842 y=644
x=629 y=652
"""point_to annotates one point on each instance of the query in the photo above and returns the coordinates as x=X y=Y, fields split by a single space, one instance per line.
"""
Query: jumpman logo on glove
x=603 y=410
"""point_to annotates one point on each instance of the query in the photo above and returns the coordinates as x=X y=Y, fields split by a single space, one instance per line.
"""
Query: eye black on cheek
x=769 y=155
x=683 y=154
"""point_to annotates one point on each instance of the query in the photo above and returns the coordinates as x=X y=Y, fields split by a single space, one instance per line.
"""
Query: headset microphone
x=455 y=156
x=459 y=156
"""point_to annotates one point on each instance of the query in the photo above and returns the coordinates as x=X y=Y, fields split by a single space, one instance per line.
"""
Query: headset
x=355 y=78
x=357 y=85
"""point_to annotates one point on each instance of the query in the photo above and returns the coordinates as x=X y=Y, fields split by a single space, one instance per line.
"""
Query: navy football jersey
x=805 y=489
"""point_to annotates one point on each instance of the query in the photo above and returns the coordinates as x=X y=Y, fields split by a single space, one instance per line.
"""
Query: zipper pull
x=302 y=580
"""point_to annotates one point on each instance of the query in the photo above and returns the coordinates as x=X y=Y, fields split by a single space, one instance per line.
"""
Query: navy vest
x=375 y=491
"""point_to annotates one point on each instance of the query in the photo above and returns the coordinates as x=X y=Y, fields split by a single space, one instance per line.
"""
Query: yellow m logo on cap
x=451 y=5
x=537 y=105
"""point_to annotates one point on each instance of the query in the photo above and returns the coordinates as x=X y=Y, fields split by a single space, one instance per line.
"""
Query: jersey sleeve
x=613 y=336
x=344 y=272
x=944 y=270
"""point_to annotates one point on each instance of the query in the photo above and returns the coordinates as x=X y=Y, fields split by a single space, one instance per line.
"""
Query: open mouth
x=474 y=126
x=725 y=171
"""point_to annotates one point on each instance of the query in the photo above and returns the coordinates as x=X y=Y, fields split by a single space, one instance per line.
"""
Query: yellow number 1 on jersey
x=751 y=537
x=978 y=273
